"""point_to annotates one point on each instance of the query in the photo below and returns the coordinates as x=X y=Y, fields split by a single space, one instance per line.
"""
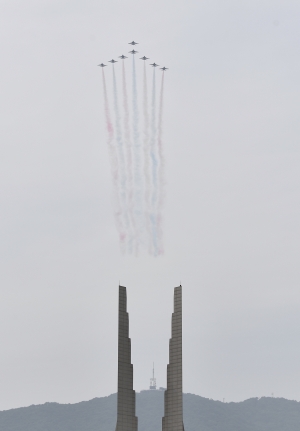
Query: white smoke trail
x=138 y=210
x=128 y=152
x=121 y=158
x=153 y=168
x=114 y=169
x=146 y=160
x=161 y=171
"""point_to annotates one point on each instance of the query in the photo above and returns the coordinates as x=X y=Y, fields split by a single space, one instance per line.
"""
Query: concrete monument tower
x=173 y=419
x=126 y=419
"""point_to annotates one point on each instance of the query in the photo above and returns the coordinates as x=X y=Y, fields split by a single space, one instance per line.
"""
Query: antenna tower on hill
x=153 y=380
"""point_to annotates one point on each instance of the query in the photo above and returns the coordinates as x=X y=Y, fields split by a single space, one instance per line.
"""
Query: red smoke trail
x=161 y=171
x=128 y=150
x=114 y=169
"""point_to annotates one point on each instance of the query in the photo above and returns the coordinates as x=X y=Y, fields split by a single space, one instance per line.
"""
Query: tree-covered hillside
x=200 y=414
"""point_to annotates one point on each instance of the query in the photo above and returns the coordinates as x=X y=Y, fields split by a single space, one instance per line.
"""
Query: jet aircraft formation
x=133 y=52
x=135 y=146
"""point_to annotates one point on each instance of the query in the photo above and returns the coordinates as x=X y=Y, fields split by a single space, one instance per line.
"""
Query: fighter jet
x=122 y=56
x=113 y=61
x=164 y=68
x=154 y=65
x=102 y=65
x=133 y=43
x=144 y=58
x=132 y=52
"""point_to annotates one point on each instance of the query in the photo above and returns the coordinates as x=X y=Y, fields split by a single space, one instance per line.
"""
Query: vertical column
x=126 y=419
x=173 y=418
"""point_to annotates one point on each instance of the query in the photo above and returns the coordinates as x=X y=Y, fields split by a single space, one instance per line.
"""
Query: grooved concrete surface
x=126 y=419
x=173 y=418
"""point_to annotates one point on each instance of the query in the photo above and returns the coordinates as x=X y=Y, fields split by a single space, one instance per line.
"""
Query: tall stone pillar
x=126 y=419
x=173 y=418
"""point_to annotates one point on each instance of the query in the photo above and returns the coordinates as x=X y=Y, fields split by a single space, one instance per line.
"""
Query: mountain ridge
x=200 y=414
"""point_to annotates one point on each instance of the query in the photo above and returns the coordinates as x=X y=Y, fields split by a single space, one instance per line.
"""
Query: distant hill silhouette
x=200 y=414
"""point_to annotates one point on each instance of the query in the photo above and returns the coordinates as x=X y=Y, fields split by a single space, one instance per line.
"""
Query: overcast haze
x=231 y=218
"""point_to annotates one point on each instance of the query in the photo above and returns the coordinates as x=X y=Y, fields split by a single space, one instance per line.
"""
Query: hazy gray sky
x=231 y=219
